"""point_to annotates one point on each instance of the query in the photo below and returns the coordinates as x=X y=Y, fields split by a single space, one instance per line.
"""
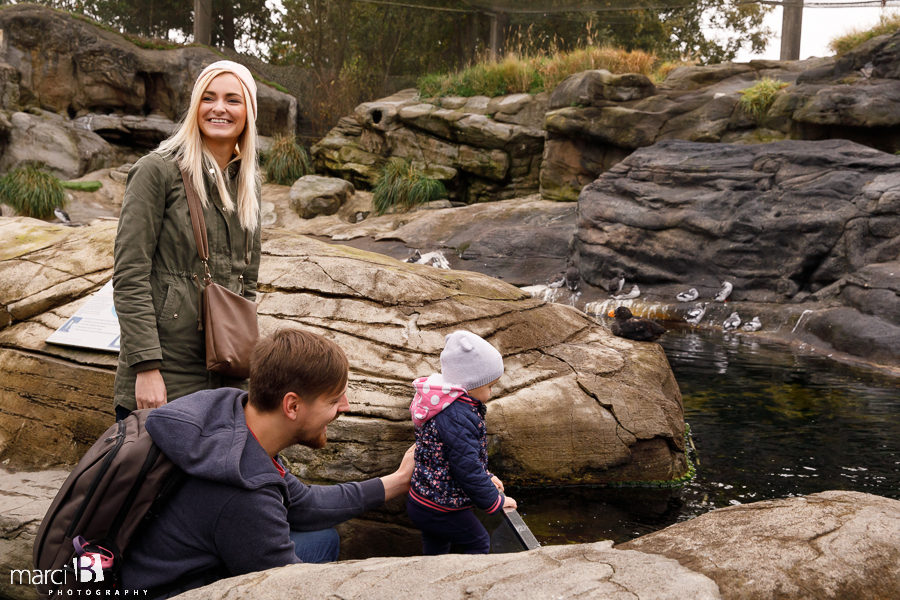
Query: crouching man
x=238 y=510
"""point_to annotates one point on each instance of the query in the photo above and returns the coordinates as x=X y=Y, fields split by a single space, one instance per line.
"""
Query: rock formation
x=482 y=148
x=829 y=545
x=125 y=94
x=575 y=405
x=785 y=222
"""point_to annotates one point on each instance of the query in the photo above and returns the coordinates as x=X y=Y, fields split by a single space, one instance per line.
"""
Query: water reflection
x=767 y=422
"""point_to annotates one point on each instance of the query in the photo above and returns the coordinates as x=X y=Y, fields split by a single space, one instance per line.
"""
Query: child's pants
x=441 y=530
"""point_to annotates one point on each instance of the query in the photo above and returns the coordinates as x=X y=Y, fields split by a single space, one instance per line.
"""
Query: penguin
x=634 y=293
x=732 y=322
x=753 y=324
x=723 y=294
x=630 y=327
x=572 y=278
x=62 y=216
x=688 y=296
x=614 y=286
x=696 y=314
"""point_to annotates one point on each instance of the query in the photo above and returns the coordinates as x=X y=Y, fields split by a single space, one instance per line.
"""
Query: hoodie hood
x=205 y=434
x=433 y=395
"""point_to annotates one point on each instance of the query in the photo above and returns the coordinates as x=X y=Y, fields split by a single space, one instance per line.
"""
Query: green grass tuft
x=32 y=192
x=82 y=186
x=401 y=186
x=757 y=99
x=286 y=161
x=845 y=43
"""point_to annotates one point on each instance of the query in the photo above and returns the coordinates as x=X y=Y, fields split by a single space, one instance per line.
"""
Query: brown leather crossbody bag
x=228 y=319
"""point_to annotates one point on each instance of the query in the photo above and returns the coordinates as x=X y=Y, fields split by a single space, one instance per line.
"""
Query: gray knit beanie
x=469 y=361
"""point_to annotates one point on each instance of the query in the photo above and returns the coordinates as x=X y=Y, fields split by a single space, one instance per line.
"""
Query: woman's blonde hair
x=192 y=155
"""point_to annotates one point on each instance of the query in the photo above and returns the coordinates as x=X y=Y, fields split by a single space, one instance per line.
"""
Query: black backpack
x=120 y=483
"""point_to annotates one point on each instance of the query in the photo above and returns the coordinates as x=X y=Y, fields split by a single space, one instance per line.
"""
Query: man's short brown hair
x=293 y=360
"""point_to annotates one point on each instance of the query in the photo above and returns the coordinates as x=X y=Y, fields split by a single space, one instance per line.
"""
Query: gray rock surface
x=834 y=544
x=67 y=150
x=24 y=499
x=784 y=222
x=580 y=571
x=314 y=195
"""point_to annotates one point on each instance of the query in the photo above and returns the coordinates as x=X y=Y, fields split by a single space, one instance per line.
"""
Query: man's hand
x=497 y=483
x=397 y=483
x=150 y=389
x=510 y=503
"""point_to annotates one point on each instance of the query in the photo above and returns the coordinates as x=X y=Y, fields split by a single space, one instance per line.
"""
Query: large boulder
x=65 y=149
x=621 y=405
x=785 y=222
x=73 y=67
x=833 y=544
x=314 y=195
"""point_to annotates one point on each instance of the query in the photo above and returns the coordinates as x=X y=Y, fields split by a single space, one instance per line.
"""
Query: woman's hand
x=497 y=483
x=510 y=503
x=150 y=389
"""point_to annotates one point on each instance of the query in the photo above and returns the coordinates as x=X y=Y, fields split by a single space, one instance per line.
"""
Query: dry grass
x=518 y=73
x=850 y=40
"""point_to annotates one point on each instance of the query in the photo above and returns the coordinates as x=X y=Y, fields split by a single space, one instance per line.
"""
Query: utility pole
x=791 y=24
x=203 y=22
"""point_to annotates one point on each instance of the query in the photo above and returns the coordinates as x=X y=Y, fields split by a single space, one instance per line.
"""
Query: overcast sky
x=820 y=26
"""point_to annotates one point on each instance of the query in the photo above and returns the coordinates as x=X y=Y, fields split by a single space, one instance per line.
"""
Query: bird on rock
x=688 y=296
x=696 y=314
x=62 y=215
x=572 y=278
x=628 y=326
x=634 y=293
x=732 y=322
x=753 y=324
x=615 y=284
x=723 y=294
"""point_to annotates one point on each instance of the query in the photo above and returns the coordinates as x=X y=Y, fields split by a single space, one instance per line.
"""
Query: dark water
x=767 y=422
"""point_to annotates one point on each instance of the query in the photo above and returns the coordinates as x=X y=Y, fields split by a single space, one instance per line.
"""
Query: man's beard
x=315 y=443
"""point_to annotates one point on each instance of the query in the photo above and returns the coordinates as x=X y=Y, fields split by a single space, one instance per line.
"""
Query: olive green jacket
x=154 y=290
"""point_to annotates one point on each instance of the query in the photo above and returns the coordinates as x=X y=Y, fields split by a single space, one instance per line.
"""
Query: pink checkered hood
x=432 y=396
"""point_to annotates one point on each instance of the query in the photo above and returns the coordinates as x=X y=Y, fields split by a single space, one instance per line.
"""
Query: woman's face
x=223 y=112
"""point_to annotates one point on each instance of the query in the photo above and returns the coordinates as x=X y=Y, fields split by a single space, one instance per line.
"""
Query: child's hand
x=510 y=503
x=497 y=483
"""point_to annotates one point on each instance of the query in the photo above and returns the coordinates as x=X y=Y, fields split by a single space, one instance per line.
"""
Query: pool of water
x=767 y=421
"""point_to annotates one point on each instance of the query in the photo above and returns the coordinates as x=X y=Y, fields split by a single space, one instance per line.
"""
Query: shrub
x=82 y=186
x=286 y=161
x=32 y=192
x=850 y=40
x=757 y=99
x=402 y=186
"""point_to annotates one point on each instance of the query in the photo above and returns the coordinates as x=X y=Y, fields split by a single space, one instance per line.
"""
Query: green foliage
x=757 y=99
x=82 y=186
x=401 y=186
x=32 y=192
x=286 y=161
x=887 y=24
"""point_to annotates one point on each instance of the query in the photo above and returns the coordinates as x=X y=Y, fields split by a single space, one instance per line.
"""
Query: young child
x=451 y=448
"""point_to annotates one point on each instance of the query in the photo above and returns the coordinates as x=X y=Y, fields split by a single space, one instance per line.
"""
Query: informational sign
x=95 y=325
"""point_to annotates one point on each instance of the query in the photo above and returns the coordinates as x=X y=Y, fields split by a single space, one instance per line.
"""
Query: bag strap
x=198 y=224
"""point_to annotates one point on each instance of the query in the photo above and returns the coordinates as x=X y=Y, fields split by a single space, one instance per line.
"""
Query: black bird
x=628 y=326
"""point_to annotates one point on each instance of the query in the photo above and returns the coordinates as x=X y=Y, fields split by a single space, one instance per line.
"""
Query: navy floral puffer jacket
x=451 y=450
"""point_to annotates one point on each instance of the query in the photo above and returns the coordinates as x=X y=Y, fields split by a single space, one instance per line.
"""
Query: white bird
x=688 y=296
x=434 y=259
x=732 y=322
x=62 y=215
x=634 y=293
x=724 y=292
x=753 y=324
x=695 y=314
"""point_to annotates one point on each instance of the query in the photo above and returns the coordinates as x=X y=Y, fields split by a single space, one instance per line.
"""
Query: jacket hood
x=205 y=434
x=433 y=395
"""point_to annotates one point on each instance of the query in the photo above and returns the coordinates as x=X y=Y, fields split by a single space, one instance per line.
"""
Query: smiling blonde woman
x=156 y=295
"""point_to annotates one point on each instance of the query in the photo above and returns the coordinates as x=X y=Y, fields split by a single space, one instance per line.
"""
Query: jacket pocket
x=171 y=305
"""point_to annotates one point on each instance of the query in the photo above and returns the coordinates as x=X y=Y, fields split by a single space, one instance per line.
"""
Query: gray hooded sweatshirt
x=234 y=513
